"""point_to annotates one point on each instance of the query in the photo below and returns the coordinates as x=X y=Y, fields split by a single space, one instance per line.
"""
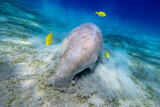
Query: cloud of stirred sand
x=110 y=80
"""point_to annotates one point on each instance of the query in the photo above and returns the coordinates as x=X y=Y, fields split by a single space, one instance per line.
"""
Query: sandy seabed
x=26 y=63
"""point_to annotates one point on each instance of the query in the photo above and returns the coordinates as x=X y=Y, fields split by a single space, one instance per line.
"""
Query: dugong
x=80 y=50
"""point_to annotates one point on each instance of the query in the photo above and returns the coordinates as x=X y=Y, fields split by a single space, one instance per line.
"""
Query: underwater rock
x=80 y=50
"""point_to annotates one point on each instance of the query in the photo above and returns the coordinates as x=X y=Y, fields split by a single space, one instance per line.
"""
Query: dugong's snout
x=60 y=79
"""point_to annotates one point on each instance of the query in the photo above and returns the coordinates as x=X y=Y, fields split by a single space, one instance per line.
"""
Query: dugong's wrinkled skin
x=80 y=50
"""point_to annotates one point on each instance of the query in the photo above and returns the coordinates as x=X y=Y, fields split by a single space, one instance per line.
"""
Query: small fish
x=106 y=54
x=101 y=14
x=49 y=38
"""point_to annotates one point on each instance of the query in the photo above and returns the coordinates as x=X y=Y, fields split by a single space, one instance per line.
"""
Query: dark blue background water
x=146 y=12
x=141 y=11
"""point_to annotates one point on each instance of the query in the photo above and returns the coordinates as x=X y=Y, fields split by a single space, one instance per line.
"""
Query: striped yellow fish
x=106 y=54
x=101 y=14
x=49 y=38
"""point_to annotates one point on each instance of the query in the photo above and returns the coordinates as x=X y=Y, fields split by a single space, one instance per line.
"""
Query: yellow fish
x=106 y=54
x=49 y=38
x=101 y=14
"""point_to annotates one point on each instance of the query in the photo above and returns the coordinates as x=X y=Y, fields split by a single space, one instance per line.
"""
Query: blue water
x=143 y=12
x=131 y=35
x=131 y=10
